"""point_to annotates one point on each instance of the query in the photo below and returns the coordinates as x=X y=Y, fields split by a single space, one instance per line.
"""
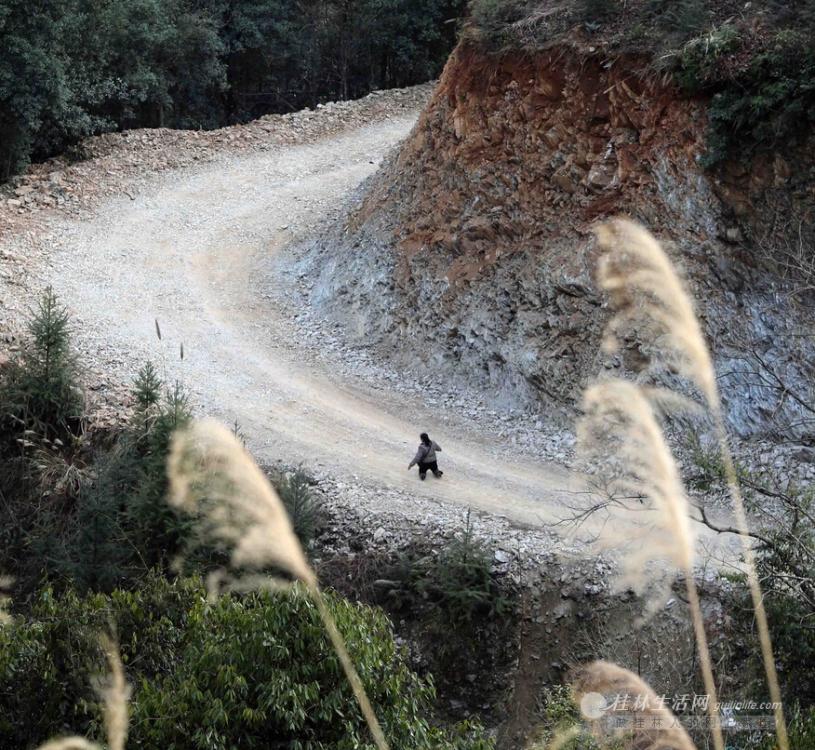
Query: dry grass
x=59 y=475
x=648 y=296
x=619 y=420
x=660 y=730
x=647 y=293
x=619 y=416
x=215 y=479
x=115 y=694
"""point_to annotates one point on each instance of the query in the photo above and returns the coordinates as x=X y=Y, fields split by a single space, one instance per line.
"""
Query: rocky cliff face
x=471 y=257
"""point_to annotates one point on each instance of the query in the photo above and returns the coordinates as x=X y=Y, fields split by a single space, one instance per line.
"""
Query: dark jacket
x=426 y=453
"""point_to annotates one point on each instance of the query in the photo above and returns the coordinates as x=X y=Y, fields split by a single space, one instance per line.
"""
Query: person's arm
x=436 y=447
x=420 y=454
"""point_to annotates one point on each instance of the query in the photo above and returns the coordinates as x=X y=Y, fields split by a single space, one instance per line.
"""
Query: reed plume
x=645 y=289
x=619 y=421
x=618 y=417
x=647 y=293
x=69 y=743
x=115 y=694
x=5 y=585
x=660 y=729
x=214 y=478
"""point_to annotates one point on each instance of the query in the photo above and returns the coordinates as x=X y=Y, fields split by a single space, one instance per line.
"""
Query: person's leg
x=434 y=467
x=422 y=471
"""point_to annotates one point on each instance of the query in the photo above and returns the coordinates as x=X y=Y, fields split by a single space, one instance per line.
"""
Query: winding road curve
x=188 y=252
x=192 y=251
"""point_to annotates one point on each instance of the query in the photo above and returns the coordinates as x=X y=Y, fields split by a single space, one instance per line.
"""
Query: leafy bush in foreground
x=250 y=671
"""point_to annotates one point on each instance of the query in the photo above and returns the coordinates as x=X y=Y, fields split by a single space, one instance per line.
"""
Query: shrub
x=494 y=18
x=801 y=726
x=40 y=395
x=458 y=582
x=462 y=579
x=295 y=492
x=558 y=715
x=98 y=518
x=128 y=525
x=48 y=662
x=42 y=450
x=251 y=671
x=599 y=10
x=155 y=527
x=785 y=538
x=680 y=19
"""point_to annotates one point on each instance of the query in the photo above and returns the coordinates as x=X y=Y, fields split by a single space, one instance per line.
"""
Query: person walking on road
x=426 y=457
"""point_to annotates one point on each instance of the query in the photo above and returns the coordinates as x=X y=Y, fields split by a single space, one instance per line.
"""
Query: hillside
x=470 y=255
x=201 y=221
x=327 y=285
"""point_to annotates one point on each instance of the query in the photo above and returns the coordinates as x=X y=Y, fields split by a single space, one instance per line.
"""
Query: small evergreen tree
x=147 y=388
x=155 y=527
x=124 y=524
x=98 y=552
x=295 y=492
x=40 y=391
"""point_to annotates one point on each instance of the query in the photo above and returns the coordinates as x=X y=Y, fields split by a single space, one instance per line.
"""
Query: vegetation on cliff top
x=755 y=61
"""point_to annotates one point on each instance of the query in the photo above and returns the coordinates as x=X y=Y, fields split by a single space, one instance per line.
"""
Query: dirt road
x=189 y=252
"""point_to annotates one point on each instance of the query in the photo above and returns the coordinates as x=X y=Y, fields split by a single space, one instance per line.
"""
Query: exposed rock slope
x=471 y=252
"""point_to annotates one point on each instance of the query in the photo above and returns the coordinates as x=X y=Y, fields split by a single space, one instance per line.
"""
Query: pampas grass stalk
x=115 y=693
x=618 y=414
x=213 y=477
x=69 y=743
x=643 y=285
x=607 y=678
x=762 y=625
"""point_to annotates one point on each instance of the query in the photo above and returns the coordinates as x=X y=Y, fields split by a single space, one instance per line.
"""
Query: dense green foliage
x=255 y=671
x=70 y=68
x=763 y=90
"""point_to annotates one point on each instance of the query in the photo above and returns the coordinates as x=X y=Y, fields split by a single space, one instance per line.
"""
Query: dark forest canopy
x=71 y=68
